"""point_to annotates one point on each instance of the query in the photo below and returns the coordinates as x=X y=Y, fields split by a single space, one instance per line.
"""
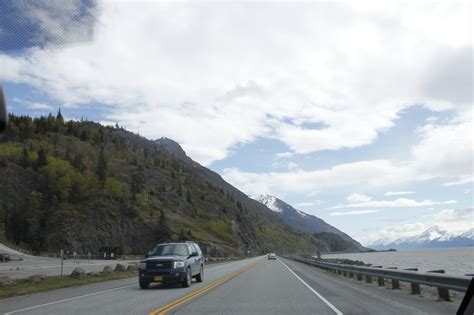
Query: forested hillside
x=78 y=185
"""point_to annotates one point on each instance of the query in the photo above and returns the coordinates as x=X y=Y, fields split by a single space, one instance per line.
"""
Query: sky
x=357 y=112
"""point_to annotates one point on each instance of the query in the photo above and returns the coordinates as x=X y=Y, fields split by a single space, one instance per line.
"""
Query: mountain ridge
x=308 y=223
x=79 y=185
x=432 y=237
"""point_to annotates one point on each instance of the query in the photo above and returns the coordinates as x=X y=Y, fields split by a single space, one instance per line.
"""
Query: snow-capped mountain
x=270 y=201
x=433 y=237
x=304 y=221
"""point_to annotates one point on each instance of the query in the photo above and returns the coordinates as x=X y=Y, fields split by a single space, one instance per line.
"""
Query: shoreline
x=455 y=261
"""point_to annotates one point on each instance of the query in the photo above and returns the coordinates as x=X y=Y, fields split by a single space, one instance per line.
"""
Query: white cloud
x=355 y=198
x=461 y=181
x=367 y=173
x=227 y=73
x=398 y=193
x=448 y=216
x=450 y=220
x=34 y=105
x=444 y=151
x=398 y=203
x=353 y=212
x=309 y=204
x=284 y=154
x=292 y=165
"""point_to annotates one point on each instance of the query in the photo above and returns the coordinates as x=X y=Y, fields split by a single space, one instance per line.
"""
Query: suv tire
x=144 y=284
x=187 y=281
x=200 y=276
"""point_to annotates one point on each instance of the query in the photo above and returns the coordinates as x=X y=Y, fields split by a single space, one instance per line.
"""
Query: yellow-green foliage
x=221 y=228
x=10 y=150
x=113 y=188
x=273 y=239
x=60 y=176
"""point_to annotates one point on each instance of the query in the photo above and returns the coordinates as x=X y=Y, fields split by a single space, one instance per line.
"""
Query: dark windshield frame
x=170 y=250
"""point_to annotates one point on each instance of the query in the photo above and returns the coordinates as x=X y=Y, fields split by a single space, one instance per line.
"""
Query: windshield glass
x=167 y=250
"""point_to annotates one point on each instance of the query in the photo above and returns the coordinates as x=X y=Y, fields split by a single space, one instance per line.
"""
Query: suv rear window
x=170 y=249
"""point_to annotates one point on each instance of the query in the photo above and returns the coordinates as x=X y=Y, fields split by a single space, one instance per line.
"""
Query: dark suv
x=172 y=262
x=4 y=257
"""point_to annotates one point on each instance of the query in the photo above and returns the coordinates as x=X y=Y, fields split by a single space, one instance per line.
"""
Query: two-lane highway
x=288 y=287
x=114 y=297
x=250 y=286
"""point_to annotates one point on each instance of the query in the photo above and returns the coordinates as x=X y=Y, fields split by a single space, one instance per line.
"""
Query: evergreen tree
x=25 y=158
x=78 y=164
x=84 y=135
x=101 y=169
x=68 y=154
x=42 y=159
x=59 y=117
x=188 y=197
x=138 y=183
x=180 y=189
x=164 y=231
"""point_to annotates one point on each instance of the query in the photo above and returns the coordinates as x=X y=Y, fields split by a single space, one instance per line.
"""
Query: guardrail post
x=443 y=293
x=62 y=262
x=368 y=279
x=395 y=283
x=380 y=280
x=415 y=287
x=443 y=283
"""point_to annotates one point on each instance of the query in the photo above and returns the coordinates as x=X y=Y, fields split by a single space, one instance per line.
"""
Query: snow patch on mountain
x=270 y=202
x=304 y=221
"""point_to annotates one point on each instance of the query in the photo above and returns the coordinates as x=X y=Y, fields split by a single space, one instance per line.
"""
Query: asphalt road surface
x=250 y=286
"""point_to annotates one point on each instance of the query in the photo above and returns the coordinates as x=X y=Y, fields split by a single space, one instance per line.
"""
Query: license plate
x=158 y=278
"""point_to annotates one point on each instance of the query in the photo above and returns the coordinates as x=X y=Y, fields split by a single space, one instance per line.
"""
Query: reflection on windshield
x=166 y=250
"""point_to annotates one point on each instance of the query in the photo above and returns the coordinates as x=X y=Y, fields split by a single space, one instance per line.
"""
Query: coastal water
x=455 y=261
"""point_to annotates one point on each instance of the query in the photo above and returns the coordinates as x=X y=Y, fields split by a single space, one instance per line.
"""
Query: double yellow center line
x=178 y=302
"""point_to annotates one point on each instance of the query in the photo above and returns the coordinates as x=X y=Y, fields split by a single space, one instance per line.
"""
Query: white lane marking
x=225 y=264
x=338 y=312
x=70 y=299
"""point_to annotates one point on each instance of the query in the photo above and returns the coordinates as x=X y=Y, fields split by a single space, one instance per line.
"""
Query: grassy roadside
x=23 y=286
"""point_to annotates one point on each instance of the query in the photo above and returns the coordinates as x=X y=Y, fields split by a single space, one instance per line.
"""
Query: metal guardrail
x=441 y=281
